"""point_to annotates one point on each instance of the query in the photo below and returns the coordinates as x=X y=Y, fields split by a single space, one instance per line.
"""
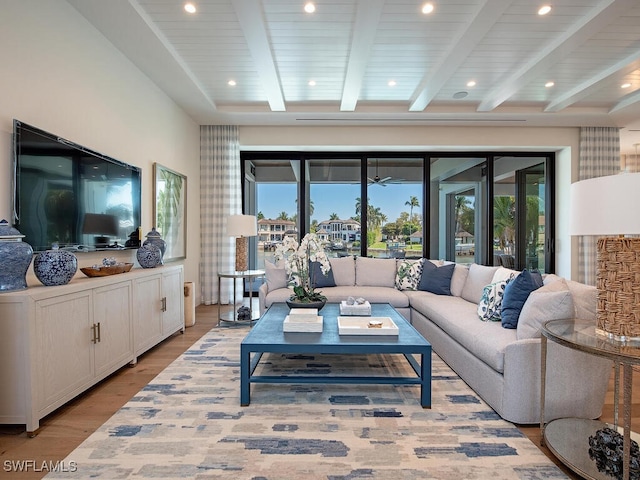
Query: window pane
x=334 y=191
x=394 y=210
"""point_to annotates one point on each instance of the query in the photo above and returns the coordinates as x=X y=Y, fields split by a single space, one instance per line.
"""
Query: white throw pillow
x=276 y=275
x=549 y=302
x=408 y=274
x=504 y=274
x=460 y=274
x=491 y=301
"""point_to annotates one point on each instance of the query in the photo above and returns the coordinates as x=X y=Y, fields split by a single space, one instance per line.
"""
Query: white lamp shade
x=242 y=226
x=605 y=206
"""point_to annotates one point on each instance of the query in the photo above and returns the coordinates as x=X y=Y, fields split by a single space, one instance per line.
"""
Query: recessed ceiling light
x=232 y=83
x=549 y=84
x=309 y=7
x=625 y=85
x=427 y=8
x=544 y=10
x=459 y=95
x=312 y=83
x=471 y=83
x=392 y=83
x=190 y=8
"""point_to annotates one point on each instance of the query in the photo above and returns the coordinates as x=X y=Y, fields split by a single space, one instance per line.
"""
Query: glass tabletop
x=582 y=335
x=241 y=273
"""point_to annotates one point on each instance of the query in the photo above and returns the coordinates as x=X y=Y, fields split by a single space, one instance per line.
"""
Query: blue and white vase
x=154 y=238
x=55 y=267
x=149 y=256
x=15 y=258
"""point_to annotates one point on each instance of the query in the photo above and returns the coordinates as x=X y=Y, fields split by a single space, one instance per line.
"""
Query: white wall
x=564 y=141
x=58 y=73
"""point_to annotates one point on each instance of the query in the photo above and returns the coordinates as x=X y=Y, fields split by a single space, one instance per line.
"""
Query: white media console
x=56 y=342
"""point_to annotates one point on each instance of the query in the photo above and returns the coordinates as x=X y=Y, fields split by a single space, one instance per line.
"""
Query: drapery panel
x=220 y=196
x=599 y=156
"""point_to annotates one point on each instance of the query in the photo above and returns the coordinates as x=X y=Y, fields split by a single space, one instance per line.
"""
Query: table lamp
x=607 y=207
x=241 y=227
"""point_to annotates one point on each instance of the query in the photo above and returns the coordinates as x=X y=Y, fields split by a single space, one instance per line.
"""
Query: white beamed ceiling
x=353 y=48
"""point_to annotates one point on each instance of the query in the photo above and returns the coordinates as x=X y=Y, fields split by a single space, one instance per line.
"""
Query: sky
x=336 y=198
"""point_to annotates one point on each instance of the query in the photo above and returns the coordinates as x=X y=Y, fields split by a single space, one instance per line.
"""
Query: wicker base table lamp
x=241 y=227
x=607 y=207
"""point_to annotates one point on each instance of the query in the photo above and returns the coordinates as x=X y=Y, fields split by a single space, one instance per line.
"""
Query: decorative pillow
x=504 y=274
x=319 y=279
x=549 y=302
x=515 y=294
x=490 y=304
x=436 y=279
x=276 y=275
x=408 y=274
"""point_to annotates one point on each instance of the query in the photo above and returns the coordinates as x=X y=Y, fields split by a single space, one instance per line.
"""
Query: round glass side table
x=231 y=317
x=568 y=438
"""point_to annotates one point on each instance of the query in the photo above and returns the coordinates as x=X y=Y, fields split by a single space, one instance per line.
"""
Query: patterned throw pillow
x=408 y=274
x=491 y=301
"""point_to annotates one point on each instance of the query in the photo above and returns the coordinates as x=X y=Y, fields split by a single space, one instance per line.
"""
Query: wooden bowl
x=105 y=271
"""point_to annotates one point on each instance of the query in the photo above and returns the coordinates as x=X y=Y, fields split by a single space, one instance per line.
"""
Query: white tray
x=360 y=326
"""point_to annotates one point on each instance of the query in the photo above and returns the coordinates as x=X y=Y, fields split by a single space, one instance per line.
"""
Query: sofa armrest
x=576 y=382
x=262 y=294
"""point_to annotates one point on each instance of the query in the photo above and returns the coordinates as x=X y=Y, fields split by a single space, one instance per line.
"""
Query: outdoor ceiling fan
x=377 y=180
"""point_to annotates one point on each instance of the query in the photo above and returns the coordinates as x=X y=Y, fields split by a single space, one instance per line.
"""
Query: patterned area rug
x=188 y=423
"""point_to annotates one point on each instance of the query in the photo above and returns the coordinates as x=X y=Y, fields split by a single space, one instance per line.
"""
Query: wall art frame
x=170 y=211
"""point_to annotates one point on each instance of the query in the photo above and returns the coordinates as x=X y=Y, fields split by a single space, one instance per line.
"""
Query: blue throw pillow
x=515 y=294
x=436 y=279
x=319 y=279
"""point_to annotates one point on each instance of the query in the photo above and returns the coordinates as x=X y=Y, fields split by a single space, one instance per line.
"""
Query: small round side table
x=231 y=317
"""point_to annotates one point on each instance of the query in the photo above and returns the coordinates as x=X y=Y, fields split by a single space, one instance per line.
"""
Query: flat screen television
x=67 y=194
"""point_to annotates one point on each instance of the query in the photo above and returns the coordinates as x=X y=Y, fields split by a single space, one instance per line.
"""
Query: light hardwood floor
x=62 y=431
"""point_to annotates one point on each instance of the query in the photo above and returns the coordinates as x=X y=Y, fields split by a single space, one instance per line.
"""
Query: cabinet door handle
x=94 y=339
x=98 y=336
x=164 y=304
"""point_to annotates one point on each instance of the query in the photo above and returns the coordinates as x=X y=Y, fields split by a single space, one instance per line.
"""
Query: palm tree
x=334 y=216
x=283 y=216
x=412 y=203
x=504 y=209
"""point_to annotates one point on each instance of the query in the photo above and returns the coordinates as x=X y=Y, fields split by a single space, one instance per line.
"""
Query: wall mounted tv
x=67 y=194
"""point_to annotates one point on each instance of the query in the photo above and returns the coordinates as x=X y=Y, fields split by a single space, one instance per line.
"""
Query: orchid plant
x=298 y=258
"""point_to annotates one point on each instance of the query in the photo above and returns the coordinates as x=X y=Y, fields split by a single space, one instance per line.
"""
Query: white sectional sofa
x=501 y=364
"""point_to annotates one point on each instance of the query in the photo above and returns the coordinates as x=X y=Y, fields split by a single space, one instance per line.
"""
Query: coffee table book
x=303 y=320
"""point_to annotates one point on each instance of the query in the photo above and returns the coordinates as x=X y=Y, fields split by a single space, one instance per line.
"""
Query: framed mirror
x=170 y=211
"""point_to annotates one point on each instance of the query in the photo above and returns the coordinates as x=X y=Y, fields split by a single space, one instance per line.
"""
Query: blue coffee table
x=267 y=336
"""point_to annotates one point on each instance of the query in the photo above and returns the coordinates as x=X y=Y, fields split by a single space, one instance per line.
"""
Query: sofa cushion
x=515 y=295
x=491 y=301
x=479 y=276
x=408 y=274
x=375 y=272
x=275 y=275
x=344 y=270
x=549 y=302
x=584 y=299
x=459 y=319
x=458 y=279
x=319 y=279
x=436 y=279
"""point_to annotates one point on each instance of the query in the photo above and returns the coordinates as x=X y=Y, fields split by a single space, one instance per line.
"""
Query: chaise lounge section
x=445 y=301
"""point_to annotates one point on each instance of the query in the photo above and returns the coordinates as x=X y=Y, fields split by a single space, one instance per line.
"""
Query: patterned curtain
x=599 y=156
x=220 y=196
